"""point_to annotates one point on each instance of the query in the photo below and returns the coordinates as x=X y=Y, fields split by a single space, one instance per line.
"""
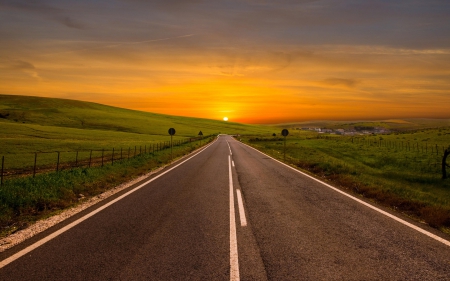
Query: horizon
x=253 y=62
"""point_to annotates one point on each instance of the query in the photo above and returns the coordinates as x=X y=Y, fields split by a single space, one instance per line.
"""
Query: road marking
x=234 y=261
x=241 y=208
x=232 y=163
x=231 y=153
x=423 y=231
x=69 y=226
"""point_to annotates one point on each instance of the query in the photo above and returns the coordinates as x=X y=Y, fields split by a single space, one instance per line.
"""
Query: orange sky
x=251 y=72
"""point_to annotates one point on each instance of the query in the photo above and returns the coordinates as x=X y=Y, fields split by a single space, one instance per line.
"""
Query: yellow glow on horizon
x=225 y=118
x=250 y=89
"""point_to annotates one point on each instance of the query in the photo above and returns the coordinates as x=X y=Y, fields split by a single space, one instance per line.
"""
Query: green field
x=383 y=168
x=394 y=124
x=44 y=125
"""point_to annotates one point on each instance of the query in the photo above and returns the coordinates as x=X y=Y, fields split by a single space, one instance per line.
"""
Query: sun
x=225 y=118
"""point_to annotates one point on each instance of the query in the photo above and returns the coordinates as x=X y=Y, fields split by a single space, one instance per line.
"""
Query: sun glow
x=225 y=118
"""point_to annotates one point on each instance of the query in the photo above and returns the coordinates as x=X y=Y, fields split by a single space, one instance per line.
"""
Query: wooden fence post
x=3 y=164
x=34 y=168
x=57 y=163
x=444 y=163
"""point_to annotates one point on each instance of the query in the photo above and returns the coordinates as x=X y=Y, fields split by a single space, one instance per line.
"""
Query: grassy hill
x=30 y=124
x=87 y=115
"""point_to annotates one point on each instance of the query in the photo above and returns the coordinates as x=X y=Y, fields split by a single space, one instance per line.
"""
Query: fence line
x=89 y=162
x=427 y=157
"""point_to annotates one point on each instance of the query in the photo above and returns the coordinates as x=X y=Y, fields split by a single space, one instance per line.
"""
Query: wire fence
x=70 y=159
x=425 y=157
x=418 y=156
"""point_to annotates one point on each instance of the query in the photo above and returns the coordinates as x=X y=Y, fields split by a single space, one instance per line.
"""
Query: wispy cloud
x=22 y=66
x=349 y=83
x=118 y=44
x=41 y=8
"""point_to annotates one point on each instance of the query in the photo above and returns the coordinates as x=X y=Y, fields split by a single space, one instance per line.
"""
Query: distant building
x=339 y=131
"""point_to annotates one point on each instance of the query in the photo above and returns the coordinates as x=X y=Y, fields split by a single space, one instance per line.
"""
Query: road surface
x=230 y=213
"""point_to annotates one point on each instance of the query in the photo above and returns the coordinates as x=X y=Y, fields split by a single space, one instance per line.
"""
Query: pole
x=57 y=163
x=90 y=158
x=3 y=164
x=34 y=168
x=284 y=148
x=171 y=155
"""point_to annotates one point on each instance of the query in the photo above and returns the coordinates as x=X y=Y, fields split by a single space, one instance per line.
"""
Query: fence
x=85 y=158
x=424 y=155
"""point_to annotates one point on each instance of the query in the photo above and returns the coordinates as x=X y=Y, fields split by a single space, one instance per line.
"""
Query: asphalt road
x=230 y=213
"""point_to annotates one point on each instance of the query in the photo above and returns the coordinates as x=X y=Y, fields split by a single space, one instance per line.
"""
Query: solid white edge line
x=423 y=231
x=69 y=226
x=241 y=208
x=234 y=260
x=232 y=163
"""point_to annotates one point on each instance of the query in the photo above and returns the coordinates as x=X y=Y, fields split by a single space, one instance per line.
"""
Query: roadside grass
x=28 y=199
x=405 y=180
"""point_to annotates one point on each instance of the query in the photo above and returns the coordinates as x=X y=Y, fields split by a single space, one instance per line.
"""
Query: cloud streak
x=118 y=44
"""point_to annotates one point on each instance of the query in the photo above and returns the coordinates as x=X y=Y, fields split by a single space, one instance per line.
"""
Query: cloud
x=22 y=66
x=118 y=44
x=348 y=83
x=69 y=22
x=43 y=9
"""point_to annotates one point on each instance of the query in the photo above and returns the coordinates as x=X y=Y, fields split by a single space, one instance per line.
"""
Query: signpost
x=285 y=133
x=171 y=133
x=201 y=135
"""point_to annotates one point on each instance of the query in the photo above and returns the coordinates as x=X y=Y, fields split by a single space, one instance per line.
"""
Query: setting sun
x=225 y=118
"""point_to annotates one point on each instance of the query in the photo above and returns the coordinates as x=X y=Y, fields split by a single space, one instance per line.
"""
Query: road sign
x=285 y=132
x=171 y=133
x=200 y=133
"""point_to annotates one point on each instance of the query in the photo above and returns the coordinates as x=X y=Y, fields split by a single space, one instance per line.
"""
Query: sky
x=254 y=61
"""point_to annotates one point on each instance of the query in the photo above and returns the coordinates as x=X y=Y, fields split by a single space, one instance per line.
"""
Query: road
x=230 y=213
